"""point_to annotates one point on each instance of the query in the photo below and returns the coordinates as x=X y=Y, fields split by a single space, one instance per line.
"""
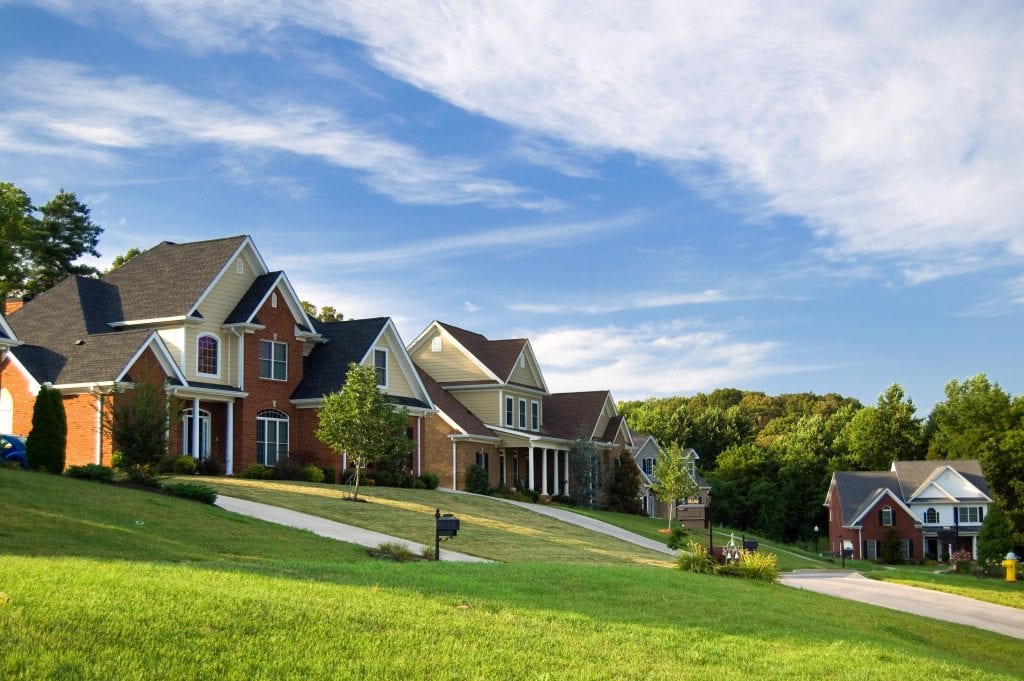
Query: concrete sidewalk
x=584 y=522
x=329 y=528
x=934 y=604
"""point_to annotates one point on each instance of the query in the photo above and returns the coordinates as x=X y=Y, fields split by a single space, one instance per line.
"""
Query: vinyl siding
x=451 y=364
x=226 y=293
x=398 y=384
x=174 y=339
x=524 y=376
x=226 y=347
x=483 y=403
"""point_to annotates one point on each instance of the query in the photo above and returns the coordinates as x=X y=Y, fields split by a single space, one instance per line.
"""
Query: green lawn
x=196 y=593
x=997 y=591
x=490 y=528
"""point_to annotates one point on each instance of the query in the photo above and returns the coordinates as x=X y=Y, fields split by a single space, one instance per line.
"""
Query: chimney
x=13 y=304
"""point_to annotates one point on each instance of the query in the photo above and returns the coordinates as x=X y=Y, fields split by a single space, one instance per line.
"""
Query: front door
x=204 y=434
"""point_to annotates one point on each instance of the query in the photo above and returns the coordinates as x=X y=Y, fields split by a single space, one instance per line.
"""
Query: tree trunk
x=355 y=490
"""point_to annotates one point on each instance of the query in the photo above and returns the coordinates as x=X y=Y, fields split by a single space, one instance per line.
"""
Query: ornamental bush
x=477 y=481
x=313 y=474
x=430 y=480
x=90 y=471
x=192 y=490
x=46 y=446
x=184 y=465
x=696 y=559
x=255 y=471
x=678 y=538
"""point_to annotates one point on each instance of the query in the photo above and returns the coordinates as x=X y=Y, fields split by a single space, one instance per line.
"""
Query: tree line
x=770 y=458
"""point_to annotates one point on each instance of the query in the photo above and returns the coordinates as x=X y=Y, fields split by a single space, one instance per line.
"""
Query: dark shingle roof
x=246 y=308
x=499 y=356
x=168 y=279
x=566 y=414
x=912 y=474
x=454 y=409
x=612 y=429
x=326 y=368
x=856 y=488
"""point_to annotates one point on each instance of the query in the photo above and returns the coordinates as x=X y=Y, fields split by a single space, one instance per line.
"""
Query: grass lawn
x=195 y=593
x=997 y=591
x=490 y=528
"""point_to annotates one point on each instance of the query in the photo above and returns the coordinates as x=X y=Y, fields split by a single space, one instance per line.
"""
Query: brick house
x=494 y=409
x=227 y=335
x=935 y=507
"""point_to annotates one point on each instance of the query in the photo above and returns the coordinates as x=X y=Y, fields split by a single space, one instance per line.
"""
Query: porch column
x=529 y=457
x=419 y=445
x=229 y=440
x=99 y=428
x=455 y=479
x=558 y=480
x=194 y=436
x=544 y=471
x=565 y=453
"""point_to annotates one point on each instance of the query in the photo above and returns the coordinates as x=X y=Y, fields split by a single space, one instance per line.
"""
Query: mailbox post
x=445 y=526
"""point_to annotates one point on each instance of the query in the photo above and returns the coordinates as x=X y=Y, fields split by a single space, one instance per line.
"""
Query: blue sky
x=664 y=199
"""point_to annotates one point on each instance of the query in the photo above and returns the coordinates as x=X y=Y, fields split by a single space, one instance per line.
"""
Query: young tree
x=139 y=421
x=624 y=487
x=587 y=472
x=891 y=548
x=46 y=446
x=362 y=423
x=672 y=471
x=64 y=234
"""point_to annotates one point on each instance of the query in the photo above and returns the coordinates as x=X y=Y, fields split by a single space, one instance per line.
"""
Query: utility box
x=447 y=527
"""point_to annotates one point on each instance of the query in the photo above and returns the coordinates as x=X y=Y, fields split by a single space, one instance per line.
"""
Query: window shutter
x=956 y=515
x=910 y=549
x=881 y=517
x=864 y=554
x=981 y=514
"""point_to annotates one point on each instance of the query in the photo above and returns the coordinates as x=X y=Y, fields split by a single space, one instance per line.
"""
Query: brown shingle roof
x=911 y=474
x=452 y=408
x=566 y=414
x=499 y=356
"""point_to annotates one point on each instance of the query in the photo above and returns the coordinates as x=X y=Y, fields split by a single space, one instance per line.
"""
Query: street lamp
x=817 y=541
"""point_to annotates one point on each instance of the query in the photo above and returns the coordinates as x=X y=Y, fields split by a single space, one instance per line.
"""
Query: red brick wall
x=15 y=382
x=903 y=523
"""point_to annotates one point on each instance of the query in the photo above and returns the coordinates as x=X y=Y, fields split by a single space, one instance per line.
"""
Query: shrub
x=430 y=480
x=696 y=560
x=184 y=465
x=328 y=472
x=143 y=477
x=192 y=490
x=624 y=487
x=995 y=539
x=753 y=565
x=961 y=561
x=890 y=550
x=210 y=466
x=677 y=539
x=477 y=481
x=90 y=471
x=563 y=499
x=396 y=551
x=254 y=471
x=313 y=474
x=47 y=442
x=288 y=469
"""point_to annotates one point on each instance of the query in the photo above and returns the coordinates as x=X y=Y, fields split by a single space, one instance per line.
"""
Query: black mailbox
x=447 y=527
x=750 y=545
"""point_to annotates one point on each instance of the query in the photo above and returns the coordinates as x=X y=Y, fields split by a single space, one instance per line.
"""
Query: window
x=240 y=266
x=435 y=344
x=271 y=436
x=502 y=478
x=534 y=415
x=885 y=516
x=273 y=299
x=207 y=354
x=515 y=469
x=969 y=514
x=482 y=460
x=273 y=360
x=871 y=549
x=522 y=413
x=522 y=361
x=905 y=548
x=931 y=516
x=648 y=466
x=509 y=407
x=380 y=363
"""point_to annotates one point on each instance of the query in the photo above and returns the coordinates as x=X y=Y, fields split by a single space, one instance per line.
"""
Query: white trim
x=164 y=357
x=229 y=439
x=9 y=332
x=455 y=477
x=99 y=428
x=217 y=339
x=491 y=386
x=33 y=384
x=507 y=414
x=376 y=368
x=533 y=365
x=534 y=415
x=414 y=346
x=247 y=241
x=211 y=394
x=405 y=363
x=419 y=446
x=273 y=359
x=885 y=491
x=523 y=418
x=150 y=322
x=935 y=474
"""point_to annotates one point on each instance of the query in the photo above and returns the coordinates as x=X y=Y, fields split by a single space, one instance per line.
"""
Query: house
x=691 y=513
x=494 y=409
x=226 y=334
x=7 y=340
x=935 y=507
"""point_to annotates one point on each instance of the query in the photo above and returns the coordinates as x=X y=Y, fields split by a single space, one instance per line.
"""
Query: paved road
x=329 y=528
x=934 y=604
x=585 y=522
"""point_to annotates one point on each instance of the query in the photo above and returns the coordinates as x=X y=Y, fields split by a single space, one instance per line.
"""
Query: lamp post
x=817 y=541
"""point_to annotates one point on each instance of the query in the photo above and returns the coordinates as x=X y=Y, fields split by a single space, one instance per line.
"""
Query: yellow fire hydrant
x=1011 y=566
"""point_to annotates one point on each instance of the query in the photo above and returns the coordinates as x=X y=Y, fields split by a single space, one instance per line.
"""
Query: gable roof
x=457 y=414
x=326 y=368
x=567 y=414
x=249 y=304
x=912 y=475
x=873 y=499
x=145 y=281
x=855 y=488
x=499 y=356
x=7 y=337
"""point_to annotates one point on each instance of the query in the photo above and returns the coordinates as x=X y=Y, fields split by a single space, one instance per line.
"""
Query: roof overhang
x=930 y=482
x=188 y=391
x=457 y=437
x=155 y=321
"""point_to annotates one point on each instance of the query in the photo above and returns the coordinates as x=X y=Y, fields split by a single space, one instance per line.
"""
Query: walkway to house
x=934 y=604
x=583 y=521
x=329 y=528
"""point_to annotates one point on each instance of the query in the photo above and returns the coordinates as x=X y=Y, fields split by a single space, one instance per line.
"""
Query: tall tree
x=63 y=235
x=975 y=415
x=16 y=223
x=1003 y=465
x=624 y=487
x=122 y=259
x=672 y=471
x=46 y=446
x=887 y=432
x=587 y=472
x=360 y=422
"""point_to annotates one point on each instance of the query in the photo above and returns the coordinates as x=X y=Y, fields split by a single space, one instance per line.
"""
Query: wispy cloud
x=667 y=358
x=65 y=108
x=625 y=301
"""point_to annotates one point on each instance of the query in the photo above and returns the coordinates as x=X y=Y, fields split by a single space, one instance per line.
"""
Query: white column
x=419 y=445
x=530 y=458
x=565 y=475
x=99 y=428
x=455 y=477
x=195 y=428
x=544 y=471
x=558 y=480
x=229 y=440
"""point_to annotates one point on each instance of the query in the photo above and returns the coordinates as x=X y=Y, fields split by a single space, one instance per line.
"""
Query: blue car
x=12 y=450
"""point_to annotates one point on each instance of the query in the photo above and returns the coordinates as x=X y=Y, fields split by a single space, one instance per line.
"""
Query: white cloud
x=65 y=107
x=625 y=301
x=667 y=358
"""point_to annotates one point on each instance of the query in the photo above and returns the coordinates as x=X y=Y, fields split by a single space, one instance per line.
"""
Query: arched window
x=931 y=516
x=648 y=466
x=6 y=411
x=271 y=436
x=207 y=355
x=886 y=516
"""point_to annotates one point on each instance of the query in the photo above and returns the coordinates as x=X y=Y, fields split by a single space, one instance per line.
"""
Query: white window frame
x=522 y=414
x=381 y=352
x=961 y=511
x=534 y=415
x=273 y=360
x=871 y=549
x=277 y=417
x=931 y=516
x=217 y=344
x=510 y=411
x=892 y=516
x=436 y=344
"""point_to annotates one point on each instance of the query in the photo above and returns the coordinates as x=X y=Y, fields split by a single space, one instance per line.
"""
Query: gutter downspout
x=99 y=428
x=419 y=445
x=454 y=477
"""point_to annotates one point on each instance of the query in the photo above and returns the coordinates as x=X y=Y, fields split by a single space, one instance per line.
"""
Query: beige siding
x=226 y=348
x=226 y=293
x=516 y=396
x=174 y=339
x=483 y=403
x=524 y=376
x=398 y=384
x=451 y=364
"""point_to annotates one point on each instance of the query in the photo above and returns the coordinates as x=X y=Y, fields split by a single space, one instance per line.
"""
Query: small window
x=534 y=415
x=273 y=360
x=905 y=550
x=482 y=460
x=648 y=466
x=240 y=266
x=273 y=299
x=871 y=549
x=207 y=355
x=886 y=516
x=522 y=413
x=509 y=409
x=931 y=516
x=522 y=361
x=380 y=363
x=435 y=345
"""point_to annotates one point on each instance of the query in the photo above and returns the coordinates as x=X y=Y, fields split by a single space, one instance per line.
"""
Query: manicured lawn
x=997 y=591
x=490 y=528
x=195 y=593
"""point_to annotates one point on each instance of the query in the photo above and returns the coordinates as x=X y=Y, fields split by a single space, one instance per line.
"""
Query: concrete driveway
x=934 y=604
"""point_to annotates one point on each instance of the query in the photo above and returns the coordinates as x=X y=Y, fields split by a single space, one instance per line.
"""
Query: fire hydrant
x=1011 y=566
